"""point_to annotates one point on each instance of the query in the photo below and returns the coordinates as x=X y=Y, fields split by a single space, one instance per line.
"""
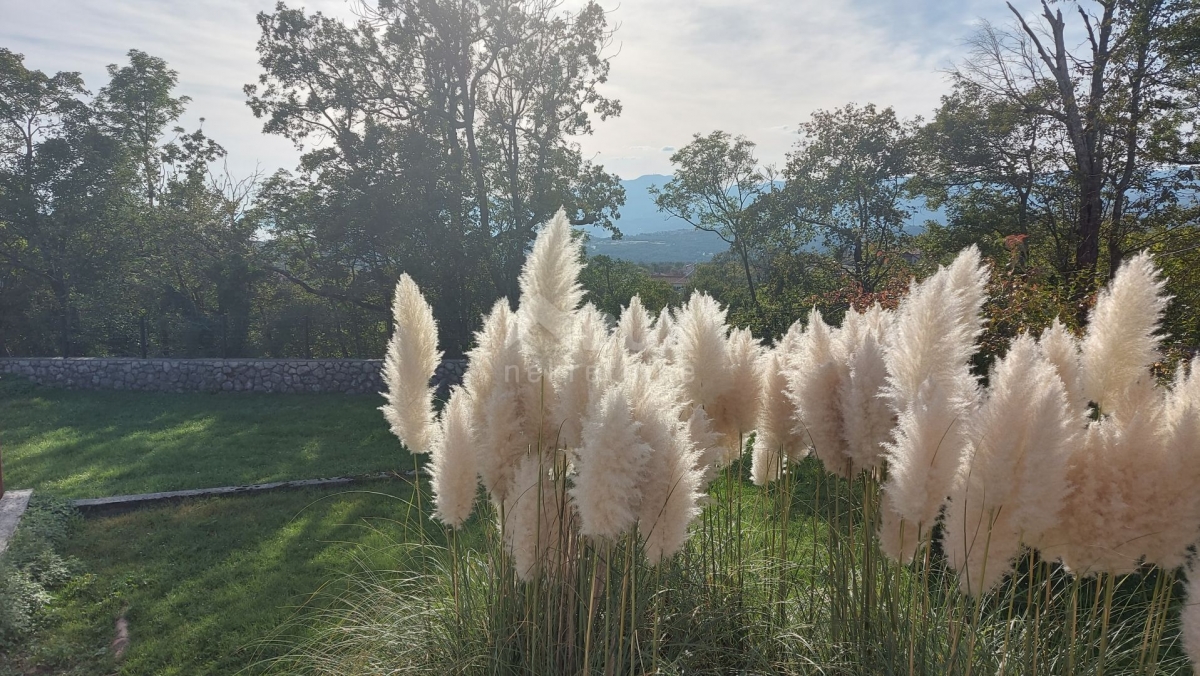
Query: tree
x=847 y=179
x=1121 y=106
x=61 y=189
x=610 y=283
x=137 y=104
x=716 y=182
x=476 y=101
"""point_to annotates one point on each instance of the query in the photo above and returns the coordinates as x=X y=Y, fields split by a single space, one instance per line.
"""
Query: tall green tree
x=474 y=103
x=717 y=181
x=61 y=192
x=846 y=179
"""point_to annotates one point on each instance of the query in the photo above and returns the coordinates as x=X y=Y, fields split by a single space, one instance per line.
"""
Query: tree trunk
x=745 y=256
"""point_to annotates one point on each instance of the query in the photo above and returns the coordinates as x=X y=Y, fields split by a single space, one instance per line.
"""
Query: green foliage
x=717 y=181
x=786 y=579
x=846 y=180
x=32 y=567
x=447 y=181
x=609 y=284
x=203 y=584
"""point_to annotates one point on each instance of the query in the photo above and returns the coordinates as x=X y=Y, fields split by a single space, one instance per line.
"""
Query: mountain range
x=650 y=236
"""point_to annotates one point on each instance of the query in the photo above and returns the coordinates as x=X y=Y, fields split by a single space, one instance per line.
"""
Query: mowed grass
x=97 y=444
x=204 y=585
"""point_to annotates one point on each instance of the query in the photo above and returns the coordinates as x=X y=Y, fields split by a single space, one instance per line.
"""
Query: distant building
x=677 y=279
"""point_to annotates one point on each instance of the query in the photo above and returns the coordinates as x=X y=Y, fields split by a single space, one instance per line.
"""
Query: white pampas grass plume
x=934 y=331
x=1062 y=350
x=1113 y=508
x=736 y=409
x=931 y=389
x=1189 y=619
x=1170 y=513
x=671 y=481
x=412 y=357
x=1010 y=483
x=634 y=328
x=550 y=293
x=661 y=332
x=1122 y=336
x=608 y=468
x=813 y=377
x=482 y=361
x=700 y=350
x=532 y=516
x=866 y=415
x=775 y=442
x=576 y=384
x=453 y=462
x=707 y=442
x=497 y=403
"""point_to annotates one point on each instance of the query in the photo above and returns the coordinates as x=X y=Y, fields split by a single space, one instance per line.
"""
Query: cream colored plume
x=1114 y=507
x=1122 y=336
x=813 y=376
x=775 y=442
x=700 y=350
x=1062 y=350
x=736 y=409
x=661 y=333
x=533 y=516
x=932 y=390
x=608 y=468
x=634 y=328
x=483 y=361
x=411 y=360
x=576 y=384
x=500 y=409
x=453 y=460
x=550 y=293
x=671 y=481
x=935 y=329
x=707 y=442
x=867 y=416
x=1010 y=483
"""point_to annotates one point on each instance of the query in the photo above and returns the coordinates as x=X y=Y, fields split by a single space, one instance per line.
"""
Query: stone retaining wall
x=348 y=376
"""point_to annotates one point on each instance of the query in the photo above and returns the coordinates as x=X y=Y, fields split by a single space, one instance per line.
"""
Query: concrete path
x=118 y=504
x=12 y=506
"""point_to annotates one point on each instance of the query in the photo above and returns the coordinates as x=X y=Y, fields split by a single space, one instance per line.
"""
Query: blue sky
x=682 y=66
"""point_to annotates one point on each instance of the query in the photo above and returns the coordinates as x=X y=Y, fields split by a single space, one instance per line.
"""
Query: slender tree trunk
x=745 y=256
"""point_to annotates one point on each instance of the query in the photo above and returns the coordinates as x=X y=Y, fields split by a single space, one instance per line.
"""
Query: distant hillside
x=654 y=237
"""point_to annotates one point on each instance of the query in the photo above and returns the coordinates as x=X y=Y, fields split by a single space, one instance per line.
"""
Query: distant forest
x=439 y=135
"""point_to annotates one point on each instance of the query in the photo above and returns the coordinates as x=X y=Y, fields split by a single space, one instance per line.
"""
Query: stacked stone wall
x=289 y=376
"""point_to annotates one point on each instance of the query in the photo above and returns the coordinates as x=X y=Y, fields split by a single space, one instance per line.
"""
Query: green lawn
x=96 y=444
x=204 y=584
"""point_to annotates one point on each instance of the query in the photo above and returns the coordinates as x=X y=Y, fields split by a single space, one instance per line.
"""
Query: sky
x=679 y=67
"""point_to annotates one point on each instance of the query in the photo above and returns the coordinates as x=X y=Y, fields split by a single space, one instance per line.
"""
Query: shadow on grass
x=96 y=444
x=204 y=583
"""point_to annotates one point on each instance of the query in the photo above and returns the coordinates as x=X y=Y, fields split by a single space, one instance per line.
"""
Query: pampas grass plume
x=932 y=390
x=813 y=379
x=608 y=468
x=1122 y=336
x=775 y=441
x=453 y=461
x=550 y=293
x=411 y=360
x=1009 y=486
